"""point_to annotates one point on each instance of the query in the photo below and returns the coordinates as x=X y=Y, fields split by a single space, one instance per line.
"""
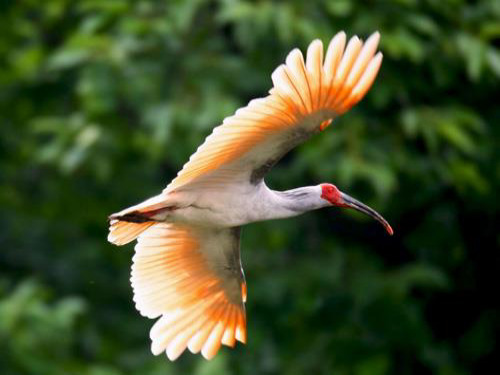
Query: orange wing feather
x=304 y=99
x=192 y=278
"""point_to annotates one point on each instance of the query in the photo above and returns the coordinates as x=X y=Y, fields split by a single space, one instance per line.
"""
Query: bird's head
x=335 y=197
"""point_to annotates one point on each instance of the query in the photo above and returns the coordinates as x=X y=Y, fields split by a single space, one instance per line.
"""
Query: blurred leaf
x=473 y=51
x=392 y=323
x=28 y=324
x=218 y=365
x=416 y=276
x=373 y=366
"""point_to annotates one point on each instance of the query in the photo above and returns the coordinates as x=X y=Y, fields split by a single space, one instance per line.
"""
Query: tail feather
x=126 y=225
x=123 y=232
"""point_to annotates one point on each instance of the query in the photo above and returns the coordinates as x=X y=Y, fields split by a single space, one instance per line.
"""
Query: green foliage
x=103 y=101
x=28 y=324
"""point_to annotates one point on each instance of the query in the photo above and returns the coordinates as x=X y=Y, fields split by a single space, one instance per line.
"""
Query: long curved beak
x=350 y=202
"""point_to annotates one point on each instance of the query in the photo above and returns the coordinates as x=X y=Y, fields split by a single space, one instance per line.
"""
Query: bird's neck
x=295 y=202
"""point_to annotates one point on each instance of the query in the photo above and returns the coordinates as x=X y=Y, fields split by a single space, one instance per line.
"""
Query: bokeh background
x=101 y=102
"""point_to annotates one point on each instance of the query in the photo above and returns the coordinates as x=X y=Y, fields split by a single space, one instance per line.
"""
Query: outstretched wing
x=305 y=98
x=192 y=279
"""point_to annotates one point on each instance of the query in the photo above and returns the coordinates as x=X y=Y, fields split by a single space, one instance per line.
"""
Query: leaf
x=493 y=59
x=473 y=52
x=405 y=279
x=67 y=58
x=393 y=322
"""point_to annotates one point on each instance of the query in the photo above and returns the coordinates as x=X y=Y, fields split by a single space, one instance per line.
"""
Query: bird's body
x=247 y=203
x=187 y=268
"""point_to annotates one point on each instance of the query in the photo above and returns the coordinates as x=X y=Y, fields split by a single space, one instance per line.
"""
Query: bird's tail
x=122 y=232
x=126 y=225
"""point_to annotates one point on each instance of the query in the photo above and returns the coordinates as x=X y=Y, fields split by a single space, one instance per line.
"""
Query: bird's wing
x=305 y=98
x=192 y=279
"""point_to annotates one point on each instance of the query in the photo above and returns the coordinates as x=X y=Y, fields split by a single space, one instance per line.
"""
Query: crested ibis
x=186 y=268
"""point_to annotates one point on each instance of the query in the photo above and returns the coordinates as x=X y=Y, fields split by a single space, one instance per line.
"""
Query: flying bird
x=186 y=268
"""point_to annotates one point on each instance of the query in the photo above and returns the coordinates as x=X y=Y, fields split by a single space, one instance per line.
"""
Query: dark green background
x=101 y=102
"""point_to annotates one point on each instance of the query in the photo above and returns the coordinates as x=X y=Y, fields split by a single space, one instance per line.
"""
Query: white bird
x=186 y=269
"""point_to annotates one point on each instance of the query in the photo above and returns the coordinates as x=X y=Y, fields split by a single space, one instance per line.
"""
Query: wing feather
x=314 y=60
x=191 y=279
x=305 y=96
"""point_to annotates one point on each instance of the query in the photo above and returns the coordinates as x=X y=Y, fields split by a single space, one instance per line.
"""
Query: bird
x=186 y=270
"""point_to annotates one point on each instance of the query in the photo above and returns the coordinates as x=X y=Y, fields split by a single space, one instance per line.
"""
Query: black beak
x=358 y=206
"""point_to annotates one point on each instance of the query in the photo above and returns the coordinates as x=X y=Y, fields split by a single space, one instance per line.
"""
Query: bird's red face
x=330 y=193
x=336 y=198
